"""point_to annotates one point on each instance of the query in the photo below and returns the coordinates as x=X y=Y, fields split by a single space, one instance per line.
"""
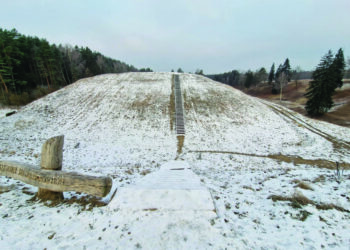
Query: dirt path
x=296 y=160
x=337 y=144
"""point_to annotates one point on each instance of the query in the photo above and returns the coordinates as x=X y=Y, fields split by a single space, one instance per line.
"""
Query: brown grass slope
x=293 y=98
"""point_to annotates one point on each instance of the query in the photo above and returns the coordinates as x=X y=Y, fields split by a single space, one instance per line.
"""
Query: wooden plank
x=57 y=181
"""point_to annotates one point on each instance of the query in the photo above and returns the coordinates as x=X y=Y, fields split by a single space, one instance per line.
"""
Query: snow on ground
x=345 y=86
x=119 y=125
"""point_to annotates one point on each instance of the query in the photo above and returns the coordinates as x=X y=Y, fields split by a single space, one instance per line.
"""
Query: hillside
x=31 y=67
x=255 y=157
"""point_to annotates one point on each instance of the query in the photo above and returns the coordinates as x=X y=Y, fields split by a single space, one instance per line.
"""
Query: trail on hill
x=296 y=160
x=337 y=143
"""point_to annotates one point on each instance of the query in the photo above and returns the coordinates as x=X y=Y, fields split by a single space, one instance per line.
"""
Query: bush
x=18 y=100
x=25 y=97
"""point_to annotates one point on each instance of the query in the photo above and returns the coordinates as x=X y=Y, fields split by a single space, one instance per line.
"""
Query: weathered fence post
x=51 y=180
x=51 y=159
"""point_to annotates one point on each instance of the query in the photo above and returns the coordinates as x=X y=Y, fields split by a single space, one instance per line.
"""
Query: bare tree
x=297 y=75
x=283 y=81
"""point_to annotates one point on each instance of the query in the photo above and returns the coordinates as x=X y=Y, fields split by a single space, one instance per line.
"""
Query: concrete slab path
x=173 y=187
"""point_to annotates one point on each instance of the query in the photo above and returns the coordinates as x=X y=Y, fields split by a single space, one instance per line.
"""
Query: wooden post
x=51 y=159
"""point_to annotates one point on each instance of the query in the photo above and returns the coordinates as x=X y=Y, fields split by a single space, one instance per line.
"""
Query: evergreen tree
x=282 y=77
x=261 y=75
x=233 y=78
x=286 y=69
x=249 y=79
x=338 y=68
x=199 y=72
x=321 y=89
x=272 y=73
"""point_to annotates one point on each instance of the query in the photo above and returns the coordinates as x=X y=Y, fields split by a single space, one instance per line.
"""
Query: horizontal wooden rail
x=57 y=181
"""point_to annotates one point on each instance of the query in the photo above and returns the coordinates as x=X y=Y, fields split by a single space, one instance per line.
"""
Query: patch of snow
x=345 y=86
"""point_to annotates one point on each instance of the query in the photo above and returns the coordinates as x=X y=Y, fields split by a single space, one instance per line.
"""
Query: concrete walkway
x=173 y=187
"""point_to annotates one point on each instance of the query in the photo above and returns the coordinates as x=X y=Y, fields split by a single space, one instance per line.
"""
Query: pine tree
x=286 y=69
x=249 y=79
x=272 y=73
x=322 y=87
x=338 y=68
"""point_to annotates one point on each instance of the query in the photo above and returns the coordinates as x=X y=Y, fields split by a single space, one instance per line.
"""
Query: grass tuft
x=302 y=185
x=298 y=200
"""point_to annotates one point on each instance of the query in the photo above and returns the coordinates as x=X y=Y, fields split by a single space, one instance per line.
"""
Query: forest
x=31 y=67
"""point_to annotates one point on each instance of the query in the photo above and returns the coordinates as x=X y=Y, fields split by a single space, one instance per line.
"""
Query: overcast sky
x=213 y=35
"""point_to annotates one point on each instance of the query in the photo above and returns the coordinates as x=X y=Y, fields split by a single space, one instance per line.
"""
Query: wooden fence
x=50 y=179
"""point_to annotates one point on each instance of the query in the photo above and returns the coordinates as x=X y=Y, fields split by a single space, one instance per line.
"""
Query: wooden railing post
x=51 y=159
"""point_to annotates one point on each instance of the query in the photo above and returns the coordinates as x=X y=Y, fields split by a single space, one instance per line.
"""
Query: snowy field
x=268 y=169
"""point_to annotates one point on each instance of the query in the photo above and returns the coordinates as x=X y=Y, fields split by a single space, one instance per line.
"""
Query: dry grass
x=139 y=104
x=305 y=186
x=294 y=99
x=302 y=185
x=150 y=209
x=214 y=102
x=297 y=200
x=296 y=160
x=180 y=143
x=329 y=206
x=171 y=107
x=7 y=188
x=249 y=188
x=320 y=178
x=340 y=116
x=145 y=172
x=87 y=202
x=302 y=215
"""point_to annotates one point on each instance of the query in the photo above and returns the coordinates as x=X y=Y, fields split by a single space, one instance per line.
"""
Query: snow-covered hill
x=243 y=149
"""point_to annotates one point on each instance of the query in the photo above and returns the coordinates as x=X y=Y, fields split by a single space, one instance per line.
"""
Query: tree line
x=31 y=67
x=251 y=78
x=326 y=78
